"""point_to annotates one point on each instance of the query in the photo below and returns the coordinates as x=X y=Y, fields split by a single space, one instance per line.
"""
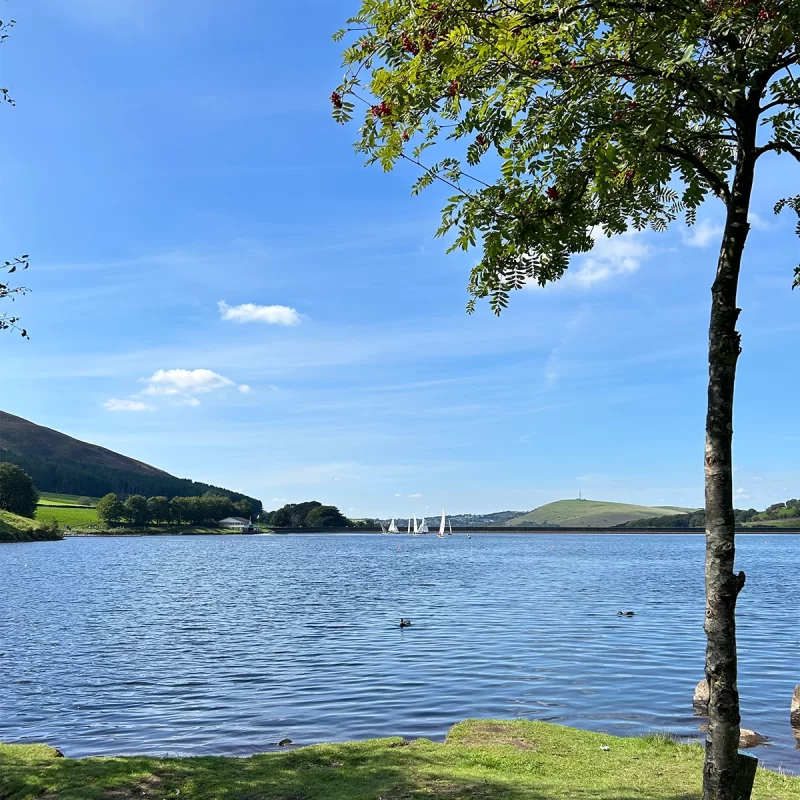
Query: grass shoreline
x=479 y=760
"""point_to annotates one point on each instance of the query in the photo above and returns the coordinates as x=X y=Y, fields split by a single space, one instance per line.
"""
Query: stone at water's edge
x=749 y=738
x=794 y=714
x=701 y=699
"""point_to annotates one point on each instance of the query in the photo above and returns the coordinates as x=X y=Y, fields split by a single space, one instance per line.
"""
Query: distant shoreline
x=456 y=532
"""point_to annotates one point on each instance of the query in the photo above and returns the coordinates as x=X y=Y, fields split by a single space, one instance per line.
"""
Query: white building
x=238 y=524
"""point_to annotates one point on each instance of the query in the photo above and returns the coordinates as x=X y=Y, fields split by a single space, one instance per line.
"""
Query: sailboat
x=442 y=525
x=383 y=527
x=423 y=528
x=416 y=527
x=409 y=525
x=449 y=528
x=393 y=527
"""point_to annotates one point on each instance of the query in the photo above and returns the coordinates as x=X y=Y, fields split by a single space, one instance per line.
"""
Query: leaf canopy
x=559 y=120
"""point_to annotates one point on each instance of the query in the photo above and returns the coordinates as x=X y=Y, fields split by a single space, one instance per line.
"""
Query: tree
x=7 y=291
x=243 y=508
x=110 y=509
x=158 y=509
x=84 y=501
x=326 y=517
x=603 y=116
x=179 y=510
x=17 y=492
x=136 y=511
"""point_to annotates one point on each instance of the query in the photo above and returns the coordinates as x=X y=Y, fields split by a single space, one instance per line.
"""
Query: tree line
x=311 y=514
x=64 y=476
x=139 y=511
x=697 y=519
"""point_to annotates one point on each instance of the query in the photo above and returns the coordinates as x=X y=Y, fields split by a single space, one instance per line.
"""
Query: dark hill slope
x=59 y=463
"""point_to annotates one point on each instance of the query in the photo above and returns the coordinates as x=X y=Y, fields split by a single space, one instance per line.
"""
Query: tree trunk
x=722 y=584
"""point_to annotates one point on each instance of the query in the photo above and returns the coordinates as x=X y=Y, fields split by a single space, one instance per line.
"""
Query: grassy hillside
x=76 y=517
x=53 y=499
x=591 y=513
x=68 y=467
x=22 y=529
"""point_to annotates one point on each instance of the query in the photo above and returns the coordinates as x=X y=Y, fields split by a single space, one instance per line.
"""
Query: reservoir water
x=197 y=645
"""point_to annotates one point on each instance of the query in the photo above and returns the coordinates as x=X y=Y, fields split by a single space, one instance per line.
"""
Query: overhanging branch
x=779 y=147
x=718 y=186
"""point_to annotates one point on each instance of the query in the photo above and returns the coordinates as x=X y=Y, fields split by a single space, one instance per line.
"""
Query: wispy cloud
x=249 y=312
x=702 y=234
x=415 y=495
x=185 y=381
x=115 y=404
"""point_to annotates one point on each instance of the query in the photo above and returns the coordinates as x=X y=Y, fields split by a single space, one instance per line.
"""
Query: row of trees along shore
x=139 y=511
x=312 y=514
x=697 y=519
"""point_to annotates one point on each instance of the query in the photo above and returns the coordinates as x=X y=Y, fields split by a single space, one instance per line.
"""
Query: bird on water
x=626 y=613
x=405 y=623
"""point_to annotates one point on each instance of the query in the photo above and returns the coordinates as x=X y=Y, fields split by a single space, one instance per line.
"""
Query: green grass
x=76 y=517
x=791 y=522
x=14 y=528
x=52 y=499
x=591 y=512
x=481 y=760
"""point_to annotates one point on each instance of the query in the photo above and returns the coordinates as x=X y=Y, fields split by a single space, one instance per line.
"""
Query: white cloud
x=114 y=404
x=415 y=495
x=185 y=381
x=702 y=234
x=741 y=494
x=245 y=389
x=249 y=312
x=609 y=258
x=757 y=222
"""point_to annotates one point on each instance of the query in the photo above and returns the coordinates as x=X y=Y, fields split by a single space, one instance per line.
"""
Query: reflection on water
x=229 y=644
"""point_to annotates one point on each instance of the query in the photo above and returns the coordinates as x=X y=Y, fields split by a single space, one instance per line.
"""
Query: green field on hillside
x=480 y=760
x=594 y=513
x=791 y=522
x=51 y=499
x=76 y=517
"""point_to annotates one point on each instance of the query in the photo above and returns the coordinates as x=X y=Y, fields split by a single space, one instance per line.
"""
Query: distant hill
x=590 y=513
x=461 y=520
x=63 y=465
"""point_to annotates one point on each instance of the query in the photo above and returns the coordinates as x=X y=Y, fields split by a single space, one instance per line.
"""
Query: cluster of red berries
x=553 y=193
x=452 y=89
x=437 y=15
x=404 y=136
x=574 y=63
x=481 y=140
x=409 y=45
x=336 y=99
x=383 y=109
x=764 y=15
x=534 y=63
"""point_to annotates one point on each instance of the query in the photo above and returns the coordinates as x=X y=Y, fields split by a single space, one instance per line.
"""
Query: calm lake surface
x=195 y=645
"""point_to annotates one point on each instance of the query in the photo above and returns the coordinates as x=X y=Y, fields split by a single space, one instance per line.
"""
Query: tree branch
x=719 y=186
x=779 y=147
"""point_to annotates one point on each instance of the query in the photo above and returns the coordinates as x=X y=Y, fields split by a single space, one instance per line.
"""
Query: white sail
x=383 y=527
x=423 y=528
x=442 y=524
x=409 y=525
x=416 y=526
x=449 y=528
x=393 y=527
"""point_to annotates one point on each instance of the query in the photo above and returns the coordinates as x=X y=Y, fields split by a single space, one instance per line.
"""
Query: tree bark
x=722 y=584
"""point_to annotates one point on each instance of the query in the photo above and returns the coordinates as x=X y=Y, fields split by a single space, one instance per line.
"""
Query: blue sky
x=164 y=159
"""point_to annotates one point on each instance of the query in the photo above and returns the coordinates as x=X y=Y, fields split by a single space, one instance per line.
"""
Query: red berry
x=481 y=140
x=632 y=104
x=336 y=99
x=553 y=193
x=452 y=89
x=574 y=63
x=404 y=136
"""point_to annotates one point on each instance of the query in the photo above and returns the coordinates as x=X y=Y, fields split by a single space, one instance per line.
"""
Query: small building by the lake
x=239 y=524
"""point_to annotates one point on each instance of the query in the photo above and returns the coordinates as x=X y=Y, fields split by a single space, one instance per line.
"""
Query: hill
x=590 y=513
x=63 y=465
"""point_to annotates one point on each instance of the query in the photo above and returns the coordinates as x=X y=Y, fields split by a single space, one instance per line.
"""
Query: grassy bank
x=481 y=760
x=21 y=529
x=53 y=499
